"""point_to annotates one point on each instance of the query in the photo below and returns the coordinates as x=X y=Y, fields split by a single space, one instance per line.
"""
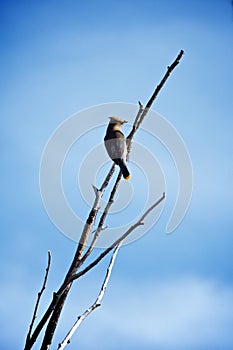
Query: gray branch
x=118 y=241
x=95 y=305
x=39 y=295
x=57 y=303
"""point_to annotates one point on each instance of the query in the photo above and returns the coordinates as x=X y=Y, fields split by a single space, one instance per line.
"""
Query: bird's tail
x=124 y=169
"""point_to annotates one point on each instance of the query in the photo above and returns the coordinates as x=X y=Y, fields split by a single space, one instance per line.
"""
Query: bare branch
x=142 y=112
x=108 y=178
x=30 y=340
x=102 y=219
x=59 y=298
x=138 y=120
x=39 y=296
x=118 y=241
x=134 y=129
x=96 y=304
x=162 y=82
x=117 y=244
x=151 y=208
x=145 y=110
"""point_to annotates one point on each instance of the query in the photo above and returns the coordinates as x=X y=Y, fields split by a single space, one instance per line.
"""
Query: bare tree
x=52 y=314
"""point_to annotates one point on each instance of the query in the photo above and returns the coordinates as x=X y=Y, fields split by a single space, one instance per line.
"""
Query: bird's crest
x=114 y=119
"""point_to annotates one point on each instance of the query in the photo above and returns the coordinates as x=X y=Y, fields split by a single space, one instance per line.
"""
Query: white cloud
x=182 y=314
x=187 y=313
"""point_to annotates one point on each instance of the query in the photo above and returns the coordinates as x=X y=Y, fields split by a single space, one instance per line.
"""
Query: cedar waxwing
x=116 y=145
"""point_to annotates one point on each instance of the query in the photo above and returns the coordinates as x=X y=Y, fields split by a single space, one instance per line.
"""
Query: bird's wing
x=116 y=146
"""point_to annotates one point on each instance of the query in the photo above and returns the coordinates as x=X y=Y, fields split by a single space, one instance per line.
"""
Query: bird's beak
x=125 y=121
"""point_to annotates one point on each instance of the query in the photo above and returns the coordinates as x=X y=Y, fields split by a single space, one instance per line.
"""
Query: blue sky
x=59 y=57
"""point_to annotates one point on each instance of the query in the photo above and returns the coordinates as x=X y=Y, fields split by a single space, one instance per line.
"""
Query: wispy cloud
x=185 y=313
x=189 y=313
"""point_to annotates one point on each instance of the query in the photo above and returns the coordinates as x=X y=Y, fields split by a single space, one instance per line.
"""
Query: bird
x=115 y=144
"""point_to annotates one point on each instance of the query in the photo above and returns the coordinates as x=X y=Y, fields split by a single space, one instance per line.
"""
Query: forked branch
x=95 y=305
x=118 y=241
x=59 y=297
x=57 y=303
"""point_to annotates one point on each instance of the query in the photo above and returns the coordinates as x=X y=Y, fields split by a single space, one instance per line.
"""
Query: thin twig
x=145 y=110
x=96 y=304
x=108 y=178
x=129 y=138
x=39 y=295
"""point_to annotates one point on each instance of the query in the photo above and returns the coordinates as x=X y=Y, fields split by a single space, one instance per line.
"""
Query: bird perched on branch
x=116 y=145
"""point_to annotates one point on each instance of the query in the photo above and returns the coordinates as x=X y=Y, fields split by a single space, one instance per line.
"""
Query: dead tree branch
x=102 y=219
x=118 y=241
x=96 y=304
x=117 y=244
x=54 y=310
x=59 y=302
x=59 y=297
x=143 y=111
x=39 y=295
x=137 y=122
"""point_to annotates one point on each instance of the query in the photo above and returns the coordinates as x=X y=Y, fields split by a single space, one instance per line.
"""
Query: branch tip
x=140 y=104
x=39 y=295
x=95 y=189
